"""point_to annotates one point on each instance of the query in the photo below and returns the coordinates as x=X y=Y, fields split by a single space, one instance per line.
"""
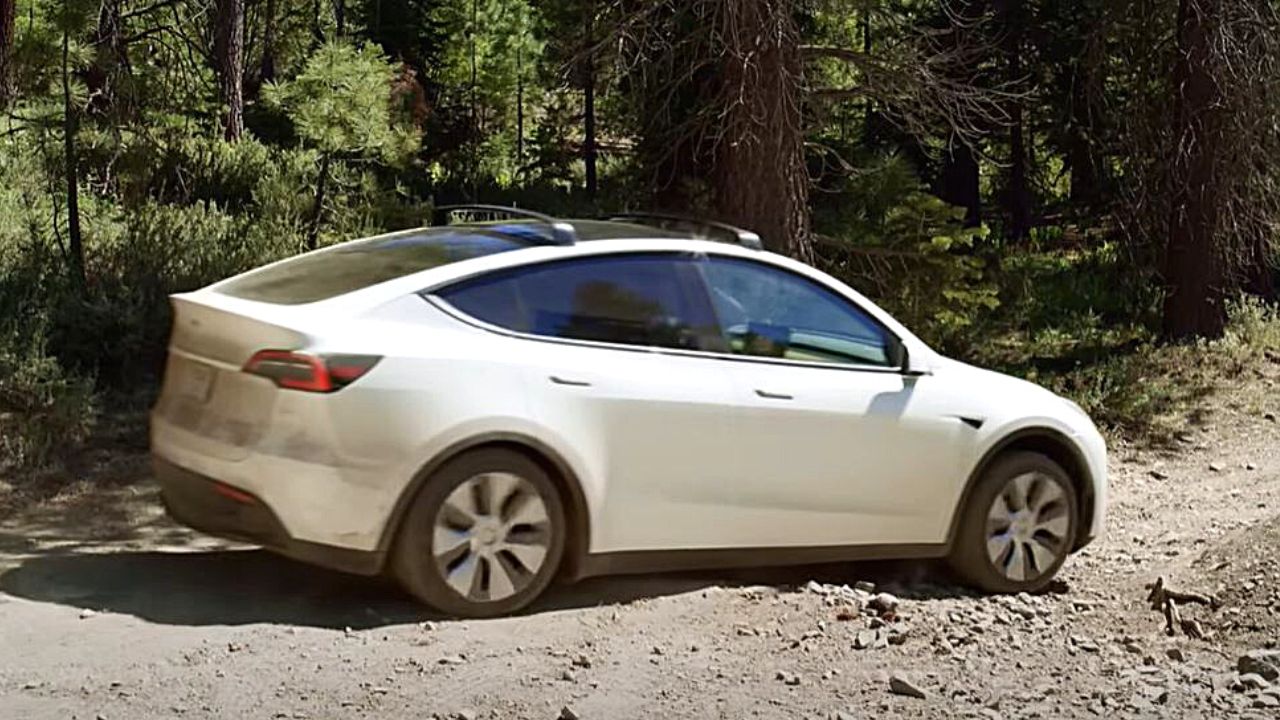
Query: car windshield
x=363 y=263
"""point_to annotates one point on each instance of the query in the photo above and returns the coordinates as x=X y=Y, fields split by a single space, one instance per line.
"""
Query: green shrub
x=885 y=235
x=44 y=410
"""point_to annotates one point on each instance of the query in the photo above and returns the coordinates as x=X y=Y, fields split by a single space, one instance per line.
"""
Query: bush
x=117 y=328
x=44 y=410
x=908 y=250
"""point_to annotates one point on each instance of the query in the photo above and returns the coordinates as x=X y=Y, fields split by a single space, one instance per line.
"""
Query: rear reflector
x=310 y=373
x=231 y=493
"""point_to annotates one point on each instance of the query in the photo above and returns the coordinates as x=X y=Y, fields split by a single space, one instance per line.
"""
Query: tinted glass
x=769 y=312
x=629 y=300
x=355 y=265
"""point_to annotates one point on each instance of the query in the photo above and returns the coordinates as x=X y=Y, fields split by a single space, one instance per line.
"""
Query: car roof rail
x=562 y=233
x=710 y=228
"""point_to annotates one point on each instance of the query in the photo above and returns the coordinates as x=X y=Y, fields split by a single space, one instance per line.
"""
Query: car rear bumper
x=202 y=503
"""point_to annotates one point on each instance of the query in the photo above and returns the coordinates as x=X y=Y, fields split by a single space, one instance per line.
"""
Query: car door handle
x=773 y=395
x=569 y=381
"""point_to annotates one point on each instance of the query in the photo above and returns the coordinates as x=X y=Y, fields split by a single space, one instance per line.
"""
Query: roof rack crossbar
x=562 y=233
x=745 y=238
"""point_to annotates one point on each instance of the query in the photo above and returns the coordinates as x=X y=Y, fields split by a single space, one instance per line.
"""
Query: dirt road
x=109 y=611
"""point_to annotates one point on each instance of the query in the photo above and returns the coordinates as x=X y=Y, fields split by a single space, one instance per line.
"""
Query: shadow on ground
x=234 y=587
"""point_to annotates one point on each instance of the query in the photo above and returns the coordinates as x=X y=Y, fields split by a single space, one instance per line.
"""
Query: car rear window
x=363 y=263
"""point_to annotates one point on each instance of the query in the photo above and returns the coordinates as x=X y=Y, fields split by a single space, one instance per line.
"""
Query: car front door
x=605 y=344
x=834 y=444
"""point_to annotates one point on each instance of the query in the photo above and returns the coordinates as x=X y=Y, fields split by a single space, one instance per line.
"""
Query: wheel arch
x=556 y=467
x=1052 y=444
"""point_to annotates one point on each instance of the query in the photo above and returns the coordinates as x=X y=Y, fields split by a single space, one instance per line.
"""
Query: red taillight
x=312 y=373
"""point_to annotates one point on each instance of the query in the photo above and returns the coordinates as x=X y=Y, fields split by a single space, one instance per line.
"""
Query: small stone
x=865 y=639
x=1175 y=654
x=1250 y=681
x=568 y=676
x=567 y=713
x=427 y=625
x=884 y=603
x=452 y=660
x=1159 y=474
x=1215 y=467
x=465 y=715
x=788 y=678
x=1265 y=663
x=1269 y=416
x=1250 y=466
x=865 y=586
x=658 y=650
x=582 y=661
x=1266 y=701
x=86 y=613
x=901 y=685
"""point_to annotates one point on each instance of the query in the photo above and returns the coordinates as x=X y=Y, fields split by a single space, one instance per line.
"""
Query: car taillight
x=312 y=373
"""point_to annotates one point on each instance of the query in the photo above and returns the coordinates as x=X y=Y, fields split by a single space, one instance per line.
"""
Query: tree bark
x=959 y=184
x=1018 y=193
x=1195 y=304
x=267 y=70
x=228 y=52
x=1084 y=156
x=71 y=126
x=111 y=59
x=590 y=153
x=8 y=11
x=761 y=182
x=317 y=209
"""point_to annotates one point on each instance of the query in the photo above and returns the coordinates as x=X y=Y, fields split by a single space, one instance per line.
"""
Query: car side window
x=642 y=300
x=766 y=311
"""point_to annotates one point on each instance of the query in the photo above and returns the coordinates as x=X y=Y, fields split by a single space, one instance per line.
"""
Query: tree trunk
x=590 y=153
x=339 y=17
x=228 y=53
x=959 y=184
x=70 y=126
x=111 y=59
x=519 y=114
x=317 y=209
x=1018 y=193
x=267 y=70
x=7 y=27
x=761 y=182
x=1084 y=156
x=1195 y=304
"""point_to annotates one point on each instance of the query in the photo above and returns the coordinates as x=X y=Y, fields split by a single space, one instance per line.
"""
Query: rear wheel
x=1018 y=526
x=484 y=537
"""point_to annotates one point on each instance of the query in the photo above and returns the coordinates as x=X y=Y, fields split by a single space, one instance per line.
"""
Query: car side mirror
x=905 y=364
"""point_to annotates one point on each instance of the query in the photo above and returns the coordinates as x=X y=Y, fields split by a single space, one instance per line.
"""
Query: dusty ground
x=109 y=611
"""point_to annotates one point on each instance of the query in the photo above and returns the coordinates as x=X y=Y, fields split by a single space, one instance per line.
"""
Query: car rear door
x=835 y=445
x=606 y=343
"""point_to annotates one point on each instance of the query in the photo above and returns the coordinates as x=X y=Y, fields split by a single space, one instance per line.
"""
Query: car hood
x=991 y=383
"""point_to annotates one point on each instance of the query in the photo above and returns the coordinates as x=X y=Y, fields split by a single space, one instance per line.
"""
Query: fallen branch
x=1165 y=600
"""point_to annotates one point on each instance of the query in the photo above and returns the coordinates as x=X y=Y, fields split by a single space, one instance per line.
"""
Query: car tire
x=484 y=537
x=1018 y=526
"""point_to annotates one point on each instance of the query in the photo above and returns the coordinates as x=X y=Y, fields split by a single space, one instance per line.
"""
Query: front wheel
x=1018 y=526
x=484 y=537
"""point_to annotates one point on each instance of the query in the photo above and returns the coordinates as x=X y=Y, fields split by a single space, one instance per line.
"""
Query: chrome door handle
x=773 y=396
x=569 y=381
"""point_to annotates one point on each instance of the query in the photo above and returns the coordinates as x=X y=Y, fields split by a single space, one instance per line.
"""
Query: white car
x=480 y=408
